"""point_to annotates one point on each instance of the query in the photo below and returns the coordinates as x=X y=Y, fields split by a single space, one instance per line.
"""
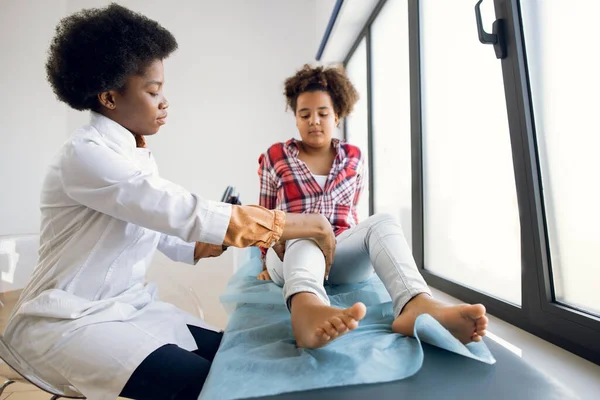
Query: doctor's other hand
x=205 y=250
x=279 y=249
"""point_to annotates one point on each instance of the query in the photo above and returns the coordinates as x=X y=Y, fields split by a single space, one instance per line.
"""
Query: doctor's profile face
x=109 y=61
x=140 y=106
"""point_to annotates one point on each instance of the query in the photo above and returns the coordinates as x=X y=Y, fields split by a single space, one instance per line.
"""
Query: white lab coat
x=87 y=317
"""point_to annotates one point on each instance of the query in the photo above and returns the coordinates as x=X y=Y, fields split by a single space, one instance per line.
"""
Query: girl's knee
x=301 y=245
x=383 y=218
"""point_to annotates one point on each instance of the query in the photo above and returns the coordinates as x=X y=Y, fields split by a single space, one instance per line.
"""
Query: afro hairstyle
x=96 y=50
x=332 y=80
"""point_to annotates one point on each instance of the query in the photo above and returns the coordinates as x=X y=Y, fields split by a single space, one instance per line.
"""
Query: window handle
x=495 y=38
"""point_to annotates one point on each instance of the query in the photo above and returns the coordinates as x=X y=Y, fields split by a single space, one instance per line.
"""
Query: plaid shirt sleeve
x=268 y=187
x=361 y=180
x=268 y=184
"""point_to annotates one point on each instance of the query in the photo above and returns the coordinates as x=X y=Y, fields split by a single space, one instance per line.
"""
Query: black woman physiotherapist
x=86 y=317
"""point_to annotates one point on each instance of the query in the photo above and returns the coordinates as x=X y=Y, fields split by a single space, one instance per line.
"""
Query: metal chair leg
x=5 y=384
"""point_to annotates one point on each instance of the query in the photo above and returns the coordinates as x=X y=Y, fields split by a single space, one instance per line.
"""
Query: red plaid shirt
x=287 y=184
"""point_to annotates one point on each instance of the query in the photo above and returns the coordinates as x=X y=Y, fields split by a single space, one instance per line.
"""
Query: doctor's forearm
x=258 y=226
x=305 y=226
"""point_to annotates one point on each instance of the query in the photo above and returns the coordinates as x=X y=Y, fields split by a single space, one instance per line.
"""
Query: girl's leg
x=379 y=243
x=314 y=322
x=303 y=270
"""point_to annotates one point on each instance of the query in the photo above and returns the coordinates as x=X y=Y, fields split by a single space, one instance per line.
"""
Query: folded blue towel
x=258 y=355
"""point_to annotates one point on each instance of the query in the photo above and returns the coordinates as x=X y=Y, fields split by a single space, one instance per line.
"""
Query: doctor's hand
x=279 y=249
x=314 y=226
x=326 y=242
x=205 y=250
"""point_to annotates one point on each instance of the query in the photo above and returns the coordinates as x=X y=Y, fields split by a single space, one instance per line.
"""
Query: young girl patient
x=322 y=175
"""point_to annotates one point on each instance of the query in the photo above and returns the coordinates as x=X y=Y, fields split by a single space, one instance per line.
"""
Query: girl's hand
x=264 y=276
x=279 y=249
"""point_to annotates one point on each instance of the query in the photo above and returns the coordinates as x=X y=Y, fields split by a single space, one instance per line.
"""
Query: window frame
x=366 y=34
x=539 y=314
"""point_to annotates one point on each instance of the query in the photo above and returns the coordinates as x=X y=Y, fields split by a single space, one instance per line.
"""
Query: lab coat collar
x=113 y=131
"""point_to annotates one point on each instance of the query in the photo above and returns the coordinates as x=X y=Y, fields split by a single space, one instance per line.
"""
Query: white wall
x=33 y=124
x=224 y=85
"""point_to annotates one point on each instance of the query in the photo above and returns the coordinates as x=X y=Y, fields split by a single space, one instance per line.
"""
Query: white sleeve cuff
x=214 y=226
x=177 y=249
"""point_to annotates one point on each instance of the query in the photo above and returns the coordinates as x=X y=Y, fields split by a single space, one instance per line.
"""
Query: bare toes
x=330 y=329
x=323 y=334
x=338 y=324
x=481 y=321
x=357 y=311
x=481 y=325
x=350 y=322
x=315 y=326
x=479 y=311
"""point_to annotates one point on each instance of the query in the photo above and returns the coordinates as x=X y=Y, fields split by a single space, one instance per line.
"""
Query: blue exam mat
x=258 y=355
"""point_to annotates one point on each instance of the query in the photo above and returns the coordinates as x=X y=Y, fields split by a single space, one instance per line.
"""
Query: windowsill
x=573 y=372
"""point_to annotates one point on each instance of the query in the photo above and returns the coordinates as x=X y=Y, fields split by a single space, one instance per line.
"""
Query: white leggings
x=377 y=243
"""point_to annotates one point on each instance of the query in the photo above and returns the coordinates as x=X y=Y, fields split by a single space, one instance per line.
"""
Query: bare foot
x=315 y=324
x=466 y=322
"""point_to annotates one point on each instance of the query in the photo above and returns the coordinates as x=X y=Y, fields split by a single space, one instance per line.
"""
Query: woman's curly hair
x=96 y=50
x=332 y=80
